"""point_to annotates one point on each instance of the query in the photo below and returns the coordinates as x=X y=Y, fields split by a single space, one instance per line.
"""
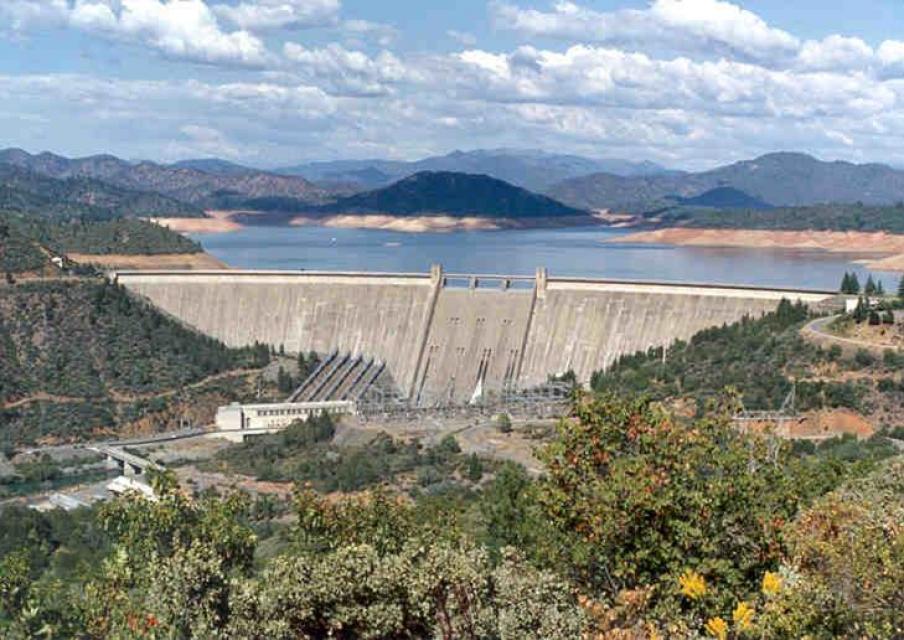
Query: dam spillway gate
x=446 y=338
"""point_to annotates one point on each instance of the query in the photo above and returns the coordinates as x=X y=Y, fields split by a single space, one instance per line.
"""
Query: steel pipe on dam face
x=442 y=342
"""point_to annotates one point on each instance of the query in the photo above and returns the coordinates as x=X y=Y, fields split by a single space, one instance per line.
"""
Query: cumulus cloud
x=685 y=25
x=587 y=75
x=681 y=81
x=264 y=15
x=181 y=29
x=835 y=52
x=347 y=72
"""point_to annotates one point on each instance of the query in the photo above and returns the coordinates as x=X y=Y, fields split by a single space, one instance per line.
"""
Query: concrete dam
x=446 y=337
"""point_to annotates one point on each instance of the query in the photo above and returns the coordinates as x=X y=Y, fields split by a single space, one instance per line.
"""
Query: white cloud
x=264 y=15
x=202 y=140
x=835 y=53
x=180 y=29
x=347 y=72
x=585 y=75
x=680 y=25
x=382 y=34
x=19 y=15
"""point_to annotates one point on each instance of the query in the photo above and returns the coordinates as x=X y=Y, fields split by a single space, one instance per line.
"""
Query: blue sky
x=687 y=83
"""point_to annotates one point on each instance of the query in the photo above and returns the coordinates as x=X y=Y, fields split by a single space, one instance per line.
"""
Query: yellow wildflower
x=743 y=616
x=693 y=585
x=772 y=583
x=717 y=628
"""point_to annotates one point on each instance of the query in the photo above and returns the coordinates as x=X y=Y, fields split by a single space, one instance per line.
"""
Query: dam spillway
x=445 y=336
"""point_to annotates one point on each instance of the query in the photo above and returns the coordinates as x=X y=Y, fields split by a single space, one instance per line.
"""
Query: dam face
x=443 y=342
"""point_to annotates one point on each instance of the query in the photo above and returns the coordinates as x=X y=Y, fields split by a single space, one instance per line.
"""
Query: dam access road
x=445 y=337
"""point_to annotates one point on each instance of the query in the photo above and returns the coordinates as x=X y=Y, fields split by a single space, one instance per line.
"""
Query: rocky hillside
x=453 y=194
x=188 y=185
x=778 y=179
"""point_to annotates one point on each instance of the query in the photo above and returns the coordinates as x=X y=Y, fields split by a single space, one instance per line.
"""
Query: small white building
x=234 y=419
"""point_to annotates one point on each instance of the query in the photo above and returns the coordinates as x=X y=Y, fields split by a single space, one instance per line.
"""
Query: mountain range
x=529 y=169
x=184 y=183
x=22 y=190
x=102 y=185
x=777 y=179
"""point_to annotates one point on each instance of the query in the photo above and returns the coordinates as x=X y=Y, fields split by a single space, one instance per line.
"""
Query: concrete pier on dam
x=446 y=337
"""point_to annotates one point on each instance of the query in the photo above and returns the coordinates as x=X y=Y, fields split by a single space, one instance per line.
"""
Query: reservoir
x=579 y=251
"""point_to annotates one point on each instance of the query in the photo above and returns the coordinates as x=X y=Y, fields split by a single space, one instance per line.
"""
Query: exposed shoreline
x=227 y=221
x=181 y=261
x=880 y=251
x=215 y=222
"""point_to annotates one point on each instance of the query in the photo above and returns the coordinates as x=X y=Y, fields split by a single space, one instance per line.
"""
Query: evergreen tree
x=901 y=288
x=870 y=287
x=855 y=284
x=847 y=284
x=880 y=288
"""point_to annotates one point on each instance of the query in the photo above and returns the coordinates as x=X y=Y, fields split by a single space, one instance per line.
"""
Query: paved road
x=818 y=329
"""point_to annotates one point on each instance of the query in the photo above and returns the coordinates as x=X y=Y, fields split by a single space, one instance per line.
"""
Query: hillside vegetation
x=644 y=526
x=826 y=217
x=27 y=243
x=455 y=194
x=762 y=358
x=91 y=357
x=26 y=191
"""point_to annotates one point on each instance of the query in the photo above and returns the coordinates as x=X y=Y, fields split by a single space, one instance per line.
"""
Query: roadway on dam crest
x=445 y=336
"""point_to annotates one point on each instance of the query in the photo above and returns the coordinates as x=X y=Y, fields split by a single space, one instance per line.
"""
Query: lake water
x=571 y=252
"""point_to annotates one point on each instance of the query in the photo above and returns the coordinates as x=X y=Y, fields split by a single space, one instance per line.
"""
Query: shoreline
x=228 y=221
x=177 y=261
x=878 y=250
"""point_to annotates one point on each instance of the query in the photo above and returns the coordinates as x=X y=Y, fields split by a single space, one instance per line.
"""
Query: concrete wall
x=380 y=316
x=439 y=341
x=585 y=326
x=476 y=334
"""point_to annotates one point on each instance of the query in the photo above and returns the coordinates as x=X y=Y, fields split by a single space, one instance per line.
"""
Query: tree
x=854 y=284
x=870 y=287
x=642 y=497
x=901 y=289
x=475 y=468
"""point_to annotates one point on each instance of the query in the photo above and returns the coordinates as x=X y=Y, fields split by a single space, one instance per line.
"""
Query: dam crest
x=446 y=336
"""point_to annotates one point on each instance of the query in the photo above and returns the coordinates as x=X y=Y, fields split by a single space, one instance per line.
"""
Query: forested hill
x=779 y=179
x=28 y=242
x=828 y=217
x=453 y=194
x=27 y=191
x=83 y=356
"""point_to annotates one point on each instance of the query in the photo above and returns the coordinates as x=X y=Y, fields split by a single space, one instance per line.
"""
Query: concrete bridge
x=444 y=336
x=128 y=464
